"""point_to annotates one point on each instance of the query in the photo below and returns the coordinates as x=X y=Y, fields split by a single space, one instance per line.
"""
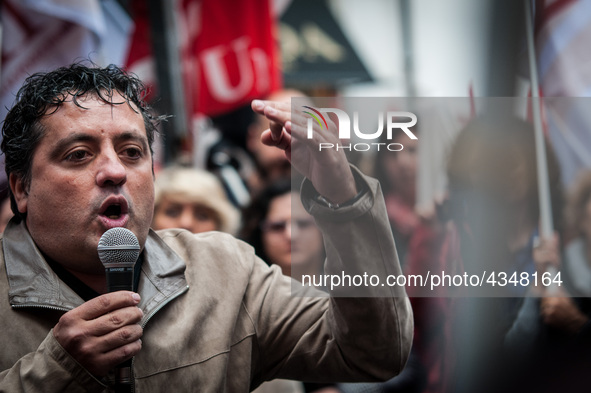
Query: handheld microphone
x=118 y=250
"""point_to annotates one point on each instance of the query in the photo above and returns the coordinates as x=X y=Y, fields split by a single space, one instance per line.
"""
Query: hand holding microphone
x=104 y=332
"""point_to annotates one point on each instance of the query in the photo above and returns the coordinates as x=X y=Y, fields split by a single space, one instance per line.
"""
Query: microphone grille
x=118 y=246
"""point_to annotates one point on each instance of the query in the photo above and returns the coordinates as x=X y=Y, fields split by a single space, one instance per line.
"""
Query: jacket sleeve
x=49 y=369
x=359 y=333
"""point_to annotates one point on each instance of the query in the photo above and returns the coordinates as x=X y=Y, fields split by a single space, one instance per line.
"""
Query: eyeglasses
x=280 y=226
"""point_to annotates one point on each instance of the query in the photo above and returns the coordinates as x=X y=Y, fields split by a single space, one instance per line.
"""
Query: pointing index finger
x=274 y=110
x=278 y=114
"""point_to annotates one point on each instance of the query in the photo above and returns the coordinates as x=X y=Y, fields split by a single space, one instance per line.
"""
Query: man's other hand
x=328 y=170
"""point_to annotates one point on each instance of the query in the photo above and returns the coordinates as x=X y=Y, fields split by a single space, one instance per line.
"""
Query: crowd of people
x=516 y=338
x=489 y=221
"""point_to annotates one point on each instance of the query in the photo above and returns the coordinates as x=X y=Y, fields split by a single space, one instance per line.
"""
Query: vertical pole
x=546 y=222
x=165 y=44
x=407 y=37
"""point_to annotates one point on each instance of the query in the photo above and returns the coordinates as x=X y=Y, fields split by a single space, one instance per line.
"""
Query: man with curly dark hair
x=205 y=314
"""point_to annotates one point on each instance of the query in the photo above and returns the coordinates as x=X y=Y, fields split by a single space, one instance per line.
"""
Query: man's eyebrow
x=133 y=136
x=83 y=137
x=69 y=140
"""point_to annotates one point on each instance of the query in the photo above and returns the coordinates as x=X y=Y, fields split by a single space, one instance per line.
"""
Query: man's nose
x=111 y=170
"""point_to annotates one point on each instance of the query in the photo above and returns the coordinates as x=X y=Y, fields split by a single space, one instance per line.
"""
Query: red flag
x=236 y=52
x=228 y=49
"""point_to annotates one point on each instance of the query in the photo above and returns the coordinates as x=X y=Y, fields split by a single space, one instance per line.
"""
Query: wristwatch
x=325 y=202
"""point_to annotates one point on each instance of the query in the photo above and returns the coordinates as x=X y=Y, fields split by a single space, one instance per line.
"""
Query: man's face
x=92 y=171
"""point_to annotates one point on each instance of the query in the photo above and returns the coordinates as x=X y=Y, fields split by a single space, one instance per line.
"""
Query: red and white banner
x=237 y=54
x=228 y=49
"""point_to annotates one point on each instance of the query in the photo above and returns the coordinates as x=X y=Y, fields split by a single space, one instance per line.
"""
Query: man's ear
x=19 y=191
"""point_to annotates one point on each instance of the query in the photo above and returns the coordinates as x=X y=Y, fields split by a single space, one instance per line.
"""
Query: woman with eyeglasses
x=282 y=232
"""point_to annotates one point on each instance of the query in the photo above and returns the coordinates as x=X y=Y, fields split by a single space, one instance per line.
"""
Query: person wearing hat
x=192 y=199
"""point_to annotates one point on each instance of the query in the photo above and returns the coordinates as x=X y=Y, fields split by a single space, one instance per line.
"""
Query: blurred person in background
x=271 y=163
x=494 y=205
x=192 y=199
x=576 y=266
x=487 y=224
x=279 y=228
x=559 y=310
x=556 y=330
x=248 y=165
x=397 y=173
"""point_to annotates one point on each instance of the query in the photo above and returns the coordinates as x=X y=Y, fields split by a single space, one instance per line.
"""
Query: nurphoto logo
x=393 y=120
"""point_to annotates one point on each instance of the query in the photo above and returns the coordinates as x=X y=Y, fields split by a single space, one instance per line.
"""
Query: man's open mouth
x=114 y=208
x=113 y=212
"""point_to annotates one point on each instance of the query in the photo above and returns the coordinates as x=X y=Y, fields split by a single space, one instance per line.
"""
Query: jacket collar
x=33 y=283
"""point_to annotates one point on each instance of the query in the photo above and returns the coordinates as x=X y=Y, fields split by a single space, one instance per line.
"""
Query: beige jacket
x=216 y=317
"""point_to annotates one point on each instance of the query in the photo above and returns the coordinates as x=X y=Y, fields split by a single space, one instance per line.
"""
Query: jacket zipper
x=54 y=308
